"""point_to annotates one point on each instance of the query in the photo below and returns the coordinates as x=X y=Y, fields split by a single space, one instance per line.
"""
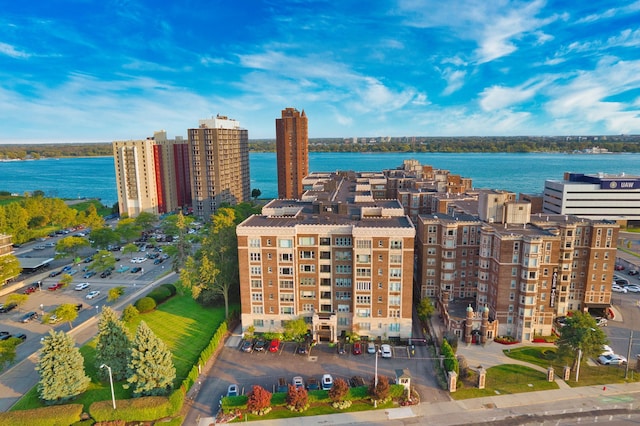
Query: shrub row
x=59 y=415
x=155 y=297
x=146 y=408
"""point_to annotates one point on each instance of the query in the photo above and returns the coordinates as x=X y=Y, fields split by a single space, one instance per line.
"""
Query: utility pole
x=626 y=370
x=578 y=365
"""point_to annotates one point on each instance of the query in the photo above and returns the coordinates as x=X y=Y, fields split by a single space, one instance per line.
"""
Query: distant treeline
x=616 y=143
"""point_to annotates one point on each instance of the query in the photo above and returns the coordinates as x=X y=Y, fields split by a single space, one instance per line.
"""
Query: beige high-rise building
x=152 y=175
x=339 y=258
x=219 y=158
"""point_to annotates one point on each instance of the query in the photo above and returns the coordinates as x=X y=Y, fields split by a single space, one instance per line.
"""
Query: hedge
x=172 y=288
x=160 y=294
x=146 y=304
x=58 y=415
x=145 y=408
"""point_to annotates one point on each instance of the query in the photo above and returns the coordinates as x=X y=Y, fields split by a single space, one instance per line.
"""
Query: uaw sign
x=554 y=285
x=620 y=184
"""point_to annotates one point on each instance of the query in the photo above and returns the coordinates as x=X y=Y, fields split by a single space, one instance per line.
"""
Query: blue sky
x=85 y=70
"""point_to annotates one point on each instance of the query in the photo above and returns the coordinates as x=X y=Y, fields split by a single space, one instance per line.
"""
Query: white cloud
x=454 y=79
x=610 y=13
x=9 y=50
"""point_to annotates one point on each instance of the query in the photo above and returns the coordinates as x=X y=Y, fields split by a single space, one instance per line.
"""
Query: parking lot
x=264 y=368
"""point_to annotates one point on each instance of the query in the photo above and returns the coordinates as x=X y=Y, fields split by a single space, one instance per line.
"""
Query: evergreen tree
x=151 y=370
x=61 y=369
x=113 y=347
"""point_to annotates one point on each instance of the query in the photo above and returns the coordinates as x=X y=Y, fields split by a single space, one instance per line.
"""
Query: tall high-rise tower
x=292 y=140
x=219 y=156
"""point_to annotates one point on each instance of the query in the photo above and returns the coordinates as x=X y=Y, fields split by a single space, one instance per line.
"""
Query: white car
x=93 y=294
x=385 y=351
x=327 y=381
x=371 y=348
x=633 y=288
x=612 y=359
x=232 y=390
x=618 y=289
x=82 y=286
x=298 y=382
x=606 y=350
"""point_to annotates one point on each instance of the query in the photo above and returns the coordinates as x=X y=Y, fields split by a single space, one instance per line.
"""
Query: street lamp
x=113 y=396
x=375 y=380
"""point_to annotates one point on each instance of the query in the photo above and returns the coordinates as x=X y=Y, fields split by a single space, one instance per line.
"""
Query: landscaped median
x=590 y=374
x=192 y=333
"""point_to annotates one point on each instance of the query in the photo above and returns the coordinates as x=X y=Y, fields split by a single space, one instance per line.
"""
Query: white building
x=597 y=196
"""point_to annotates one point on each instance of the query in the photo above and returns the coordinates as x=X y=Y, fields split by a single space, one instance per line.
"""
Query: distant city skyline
x=75 y=71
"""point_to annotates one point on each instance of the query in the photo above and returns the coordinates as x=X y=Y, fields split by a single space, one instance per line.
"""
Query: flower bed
x=506 y=340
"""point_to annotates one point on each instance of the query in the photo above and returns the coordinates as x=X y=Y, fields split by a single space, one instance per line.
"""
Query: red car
x=29 y=290
x=274 y=346
x=55 y=287
x=357 y=348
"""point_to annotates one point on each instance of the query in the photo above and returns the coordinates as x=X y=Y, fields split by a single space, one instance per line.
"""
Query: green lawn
x=505 y=379
x=184 y=325
x=589 y=374
x=102 y=210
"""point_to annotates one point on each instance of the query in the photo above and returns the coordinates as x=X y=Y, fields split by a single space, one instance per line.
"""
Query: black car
x=247 y=346
x=632 y=272
x=136 y=269
x=55 y=274
x=8 y=307
x=6 y=336
x=29 y=316
x=158 y=261
x=259 y=345
x=21 y=336
x=105 y=273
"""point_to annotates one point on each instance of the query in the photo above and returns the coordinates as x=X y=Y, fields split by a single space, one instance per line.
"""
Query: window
x=363 y=313
x=342 y=241
x=286 y=297
x=286 y=310
x=343 y=308
x=307 y=255
x=343 y=269
x=343 y=321
x=307 y=294
x=394 y=286
x=395 y=258
x=363 y=243
x=325 y=241
x=307 y=307
x=285 y=243
x=254 y=257
x=343 y=282
x=394 y=328
x=343 y=295
x=255 y=270
x=307 y=268
x=258 y=323
x=256 y=297
x=395 y=272
x=396 y=244
x=286 y=257
x=363 y=272
x=256 y=283
x=325 y=268
x=254 y=242
x=257 y=310
x=379 y=299
x=363 y=258
x=325 y=255
x=343 y=255
x=394 y=300
x=307 y=281
x=286 y=284
x=363 y=285
x=394 y=313
x=286 y=271
x=306 y=241
x=363 y=300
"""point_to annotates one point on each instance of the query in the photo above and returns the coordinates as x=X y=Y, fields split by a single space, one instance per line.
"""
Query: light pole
x=113 y=396
x=375 y=380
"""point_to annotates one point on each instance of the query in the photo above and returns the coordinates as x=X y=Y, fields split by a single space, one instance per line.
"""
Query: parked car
x=30 y=289
x=136 y=270
x=618 y=289
x=632 y=272
x=5 y=335
x=607 y=350
x=29 y=316
x=41 y=247
x=232 y=390
x=21 y=336
x=619 y=268
x=357 y=348
x=78 y=306
x=53 y=319
x=55 y=286
x=371 y=348
x=601 y=322
x=158 y=261
x=298 y=382
x=312 y=384
x=247 y=346
x=105 y=273
x=385 y=351
x=55 y=273
x=93 y=294
x=8 y=307
x=88 y=259
x=341 y=350
x=259 y=344
x=89 y=274
x=327 y=381
x=67 y=268
x=274 y=346
x=612 y=359
x=82 y=286
x=303 y=349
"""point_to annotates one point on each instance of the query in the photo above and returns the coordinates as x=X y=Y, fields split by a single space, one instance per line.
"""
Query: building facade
x=219 y=164
x=292 y=151
x=597 y=196
x=151 y=175
x=338 y=258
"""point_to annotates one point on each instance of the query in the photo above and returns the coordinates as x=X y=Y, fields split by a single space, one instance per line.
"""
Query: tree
x=129 y=313
x=255 y=193
x=61 y=369
x=66 y=312
x=17 y=298
x=115 y=293
x=130 y=249
x=102 y=261
x=379 y=392
x=259 y=402
x=66 y=280
x=103 y=237
x=297 y=399
x=582 y=333
x=9 y=268
x=69 y=246
x=128 y=229
x=145 y=220
x=295 y=329
x=114 y=345
x=339 y=390
x=8 y=351
x=425 y=309
x=91 y=219
x=150 y=370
